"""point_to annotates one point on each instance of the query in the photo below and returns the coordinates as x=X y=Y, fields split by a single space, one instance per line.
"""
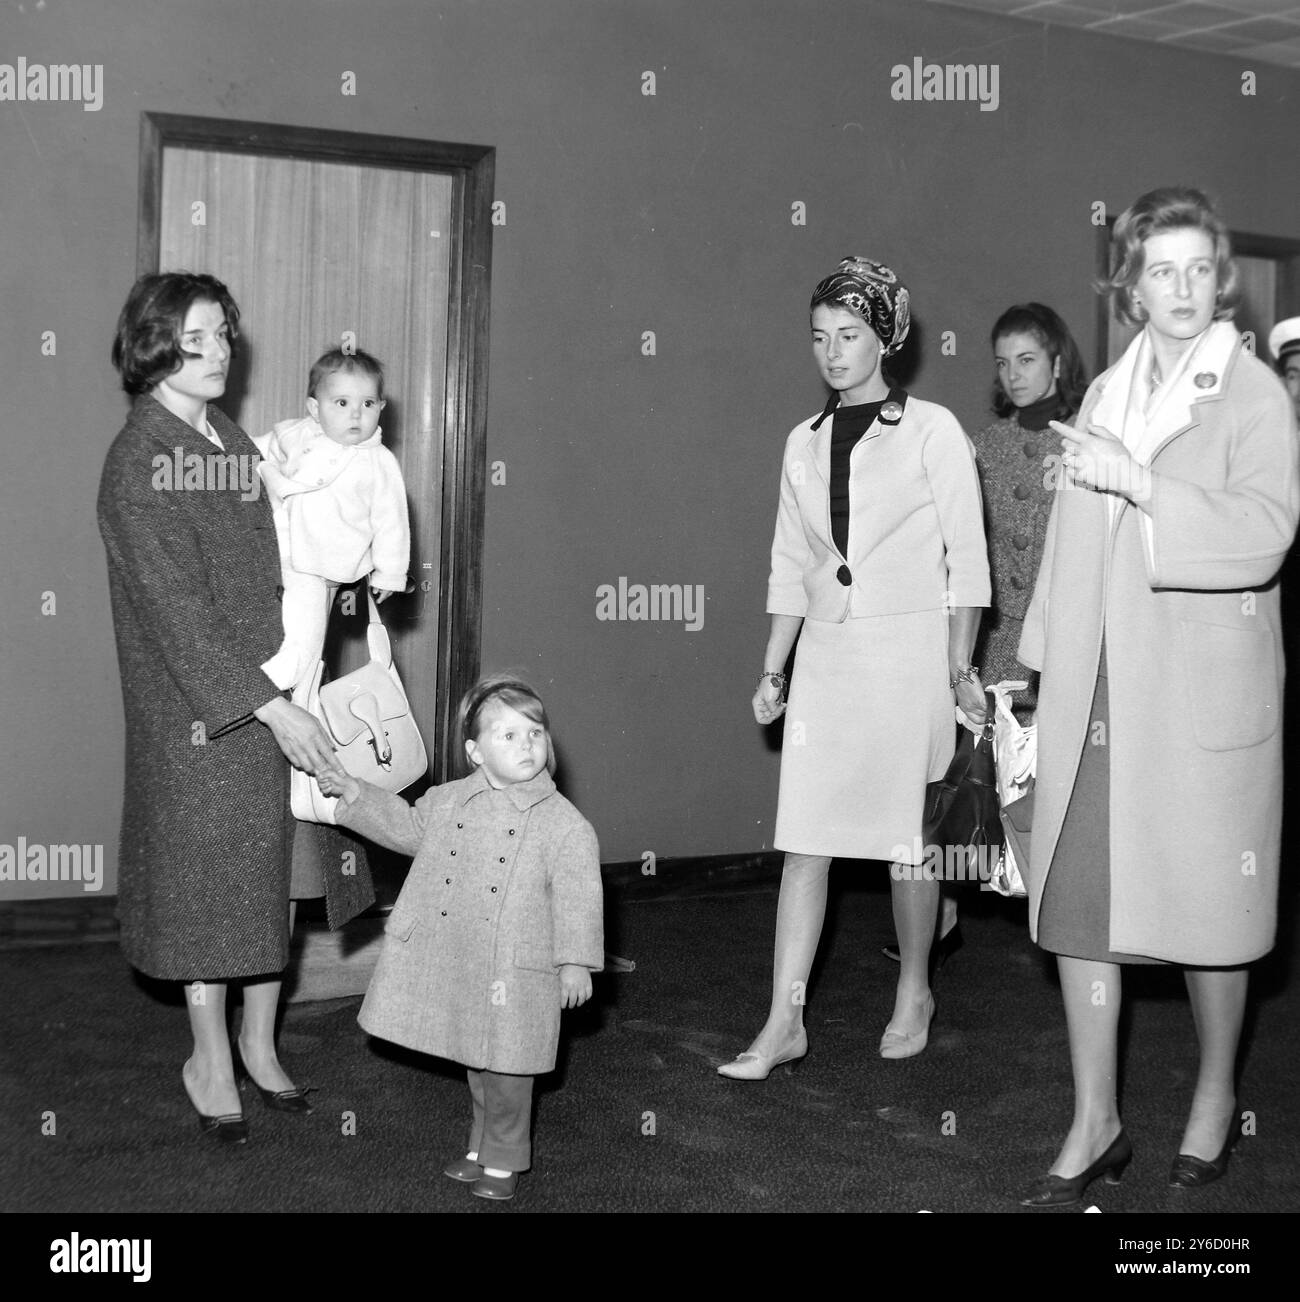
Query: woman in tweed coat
x=1038 y=378
x=193 y=567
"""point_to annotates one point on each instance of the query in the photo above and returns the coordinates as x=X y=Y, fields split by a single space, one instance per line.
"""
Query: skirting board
x=326 y=964
x=337 y=964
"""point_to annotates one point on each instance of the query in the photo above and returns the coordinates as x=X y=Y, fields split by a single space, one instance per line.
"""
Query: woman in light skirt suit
x=879 y=569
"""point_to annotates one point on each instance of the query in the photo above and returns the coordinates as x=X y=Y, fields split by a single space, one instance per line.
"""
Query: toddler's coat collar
x=523 y=795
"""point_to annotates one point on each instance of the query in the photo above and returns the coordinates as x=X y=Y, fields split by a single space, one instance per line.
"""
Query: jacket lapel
x=1179 y=411
x=1195 y=414
x=816 y=452
x=175 y=440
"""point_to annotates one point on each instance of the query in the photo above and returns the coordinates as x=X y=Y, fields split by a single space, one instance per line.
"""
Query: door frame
x=472 y=171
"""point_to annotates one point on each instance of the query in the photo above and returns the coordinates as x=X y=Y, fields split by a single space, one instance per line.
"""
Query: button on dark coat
x=469 y=968
x=1017 y=468
x=203 y=884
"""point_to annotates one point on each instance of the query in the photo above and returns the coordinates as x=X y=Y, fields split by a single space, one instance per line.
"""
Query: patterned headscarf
x=872 y=291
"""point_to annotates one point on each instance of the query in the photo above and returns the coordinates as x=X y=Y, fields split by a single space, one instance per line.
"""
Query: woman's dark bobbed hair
x=1038 y=320
x=147 y=345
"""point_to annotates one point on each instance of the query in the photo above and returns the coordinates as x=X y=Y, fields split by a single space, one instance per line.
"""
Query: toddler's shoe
x=498 y=1187
x=463 y=1169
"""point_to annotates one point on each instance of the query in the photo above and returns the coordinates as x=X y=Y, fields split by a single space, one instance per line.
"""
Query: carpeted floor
x=637 y=1119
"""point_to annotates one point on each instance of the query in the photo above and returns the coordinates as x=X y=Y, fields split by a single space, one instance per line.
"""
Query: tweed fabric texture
x=205 y=843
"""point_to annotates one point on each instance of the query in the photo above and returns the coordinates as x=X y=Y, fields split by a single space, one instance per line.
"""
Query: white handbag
x=1015 y=747
x=368 y=718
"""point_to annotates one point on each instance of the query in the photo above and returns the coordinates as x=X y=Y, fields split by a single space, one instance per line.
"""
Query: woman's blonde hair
x=1173 y=208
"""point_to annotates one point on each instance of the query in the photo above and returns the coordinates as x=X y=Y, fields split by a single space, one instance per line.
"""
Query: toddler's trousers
x=501 y=1133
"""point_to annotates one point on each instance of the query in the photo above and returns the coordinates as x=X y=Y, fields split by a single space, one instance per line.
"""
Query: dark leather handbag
x=962 y=823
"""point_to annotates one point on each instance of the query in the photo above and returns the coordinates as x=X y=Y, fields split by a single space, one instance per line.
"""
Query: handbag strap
x=985 y=736
x=377 y=640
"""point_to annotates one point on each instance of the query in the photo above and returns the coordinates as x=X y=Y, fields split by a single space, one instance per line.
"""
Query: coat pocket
x=535 y=958
x=1232 y=684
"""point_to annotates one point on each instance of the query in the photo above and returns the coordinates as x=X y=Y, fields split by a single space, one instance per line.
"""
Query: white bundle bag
x=1015 y=751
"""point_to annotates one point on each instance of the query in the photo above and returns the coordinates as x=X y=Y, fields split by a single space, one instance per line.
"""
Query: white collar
x=1144 y=418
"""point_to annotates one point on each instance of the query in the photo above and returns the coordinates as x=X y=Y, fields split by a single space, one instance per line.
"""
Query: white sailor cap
x=1284 y=337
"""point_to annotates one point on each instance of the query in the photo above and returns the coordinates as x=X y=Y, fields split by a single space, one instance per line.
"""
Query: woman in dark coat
x=194 y=573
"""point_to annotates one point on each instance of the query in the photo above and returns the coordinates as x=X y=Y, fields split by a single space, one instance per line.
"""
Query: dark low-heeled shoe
x=463 y=1170
x=944 y=947
x=1190 y=1172
x=292 y=1100
x=1058 y=1191
x=500 y=1188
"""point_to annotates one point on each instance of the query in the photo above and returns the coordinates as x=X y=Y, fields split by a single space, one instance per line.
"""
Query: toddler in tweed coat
x=498 y=926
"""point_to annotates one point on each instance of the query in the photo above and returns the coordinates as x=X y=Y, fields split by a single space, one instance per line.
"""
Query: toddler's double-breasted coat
x=505 y=888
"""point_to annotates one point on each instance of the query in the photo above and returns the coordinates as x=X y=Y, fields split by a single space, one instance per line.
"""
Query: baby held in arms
x=339 y=504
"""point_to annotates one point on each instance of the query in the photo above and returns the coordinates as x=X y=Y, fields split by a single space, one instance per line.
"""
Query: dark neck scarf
x=1037 y=414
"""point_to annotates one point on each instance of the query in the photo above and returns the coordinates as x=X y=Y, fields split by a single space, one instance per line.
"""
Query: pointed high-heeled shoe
x=753 y=1066
x=232 y=1128
x=896 y=1044
x=1190 y=1172
x=1058 y=1191
x=292 y=1100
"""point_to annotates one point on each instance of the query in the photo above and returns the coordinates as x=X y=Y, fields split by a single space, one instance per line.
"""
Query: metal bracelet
x=782 y=681
x=967 y=675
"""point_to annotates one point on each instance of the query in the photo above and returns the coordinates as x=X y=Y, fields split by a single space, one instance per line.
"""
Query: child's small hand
x=336 y=781
x=380 y=595
x=575 y=985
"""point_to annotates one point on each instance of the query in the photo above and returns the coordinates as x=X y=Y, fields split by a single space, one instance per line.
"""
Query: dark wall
x=625 y=213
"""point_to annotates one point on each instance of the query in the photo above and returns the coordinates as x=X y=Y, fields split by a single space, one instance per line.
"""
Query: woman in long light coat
x=1155 y=623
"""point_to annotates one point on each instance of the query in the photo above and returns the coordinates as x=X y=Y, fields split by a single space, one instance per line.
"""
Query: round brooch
x=1205 y=380
x=891 y=413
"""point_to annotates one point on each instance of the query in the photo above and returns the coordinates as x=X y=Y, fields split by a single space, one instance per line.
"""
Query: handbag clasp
x=365 y=707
